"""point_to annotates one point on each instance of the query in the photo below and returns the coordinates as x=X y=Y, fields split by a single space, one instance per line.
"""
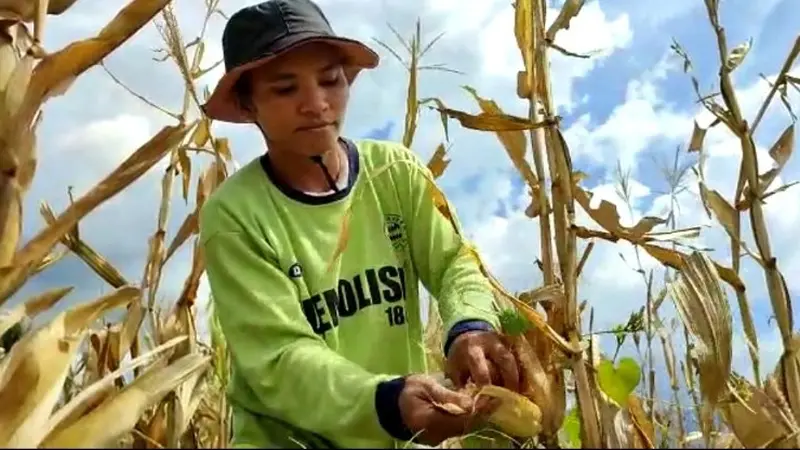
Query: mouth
x=318 y=127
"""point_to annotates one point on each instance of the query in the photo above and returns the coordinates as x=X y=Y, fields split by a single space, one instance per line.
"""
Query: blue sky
x=631 y=103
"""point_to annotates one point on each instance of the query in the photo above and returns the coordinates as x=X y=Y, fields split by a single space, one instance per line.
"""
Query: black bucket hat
x=257 y=34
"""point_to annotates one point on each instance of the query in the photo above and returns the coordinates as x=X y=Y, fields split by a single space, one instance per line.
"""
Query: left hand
x=483 y=357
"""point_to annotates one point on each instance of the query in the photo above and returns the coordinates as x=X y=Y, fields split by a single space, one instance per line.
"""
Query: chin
x=317 y=145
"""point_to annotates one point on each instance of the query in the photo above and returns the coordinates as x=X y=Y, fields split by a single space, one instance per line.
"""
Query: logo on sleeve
x=295 y=271
x=395 y=230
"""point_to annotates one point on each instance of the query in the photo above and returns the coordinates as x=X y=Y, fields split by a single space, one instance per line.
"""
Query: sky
x=630 y=104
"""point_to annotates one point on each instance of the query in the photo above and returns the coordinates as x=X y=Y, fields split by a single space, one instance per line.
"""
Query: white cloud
x=590 y=32
x=633 y=126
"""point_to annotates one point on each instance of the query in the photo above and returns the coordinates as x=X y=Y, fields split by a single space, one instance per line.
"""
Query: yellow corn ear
x=516 y=415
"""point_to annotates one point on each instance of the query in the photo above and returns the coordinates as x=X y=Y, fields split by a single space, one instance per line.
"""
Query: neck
x=304 y=174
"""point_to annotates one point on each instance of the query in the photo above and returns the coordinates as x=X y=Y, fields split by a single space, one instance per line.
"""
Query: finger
x=495 y=375
x=507 y=363
x=457 y=374
x=478 y=366
x=441 y=394
x=441 y=426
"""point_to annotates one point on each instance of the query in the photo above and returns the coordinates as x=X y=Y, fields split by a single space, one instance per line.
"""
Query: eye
x=284 y=90
x=330 y=80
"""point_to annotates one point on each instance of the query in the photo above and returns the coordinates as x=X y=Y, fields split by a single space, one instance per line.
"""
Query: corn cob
x=516 y=415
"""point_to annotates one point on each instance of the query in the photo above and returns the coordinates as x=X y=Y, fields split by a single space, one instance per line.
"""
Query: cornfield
x=144 y=379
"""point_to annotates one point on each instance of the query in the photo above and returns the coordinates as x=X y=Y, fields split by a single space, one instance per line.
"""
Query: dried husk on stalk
x=538 y=384
x=760 y=417
x=705 y=311
x=16 y=152
x=787 y=375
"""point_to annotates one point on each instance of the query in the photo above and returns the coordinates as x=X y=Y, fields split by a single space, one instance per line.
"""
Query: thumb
x=441 y=394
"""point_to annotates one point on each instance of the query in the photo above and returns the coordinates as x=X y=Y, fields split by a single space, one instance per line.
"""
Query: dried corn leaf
x=534 y=209
x=570 y=9
x=780 y=152
x=725 y=214
x=92 y=395
x=606 y=216
x=438 y=163
x=192 y=282
x=188 y=396
x=209 y=181
x=31 y=307
x=129 y=331
x=613 y=423
x=737 y=55
x=37 y=366
x=185 y=166
x=34 y=387
x=705 y=311
x=523 y=31
x=16 y=87
x=201 y=133
x=10 y=218
x=788 y=375
x=118 y=415
x=513 y=142
x=675 y=260
x=189 y=227
x=100 y=265
x=223 y=148
x=489 y=122
x=57 y=68
x=552 y=294
x=412 y=100
x=698 y=135
x=645 y=435
x=130 y=170
x=759 y=417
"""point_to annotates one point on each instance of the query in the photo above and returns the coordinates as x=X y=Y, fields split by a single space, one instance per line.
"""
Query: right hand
x=430 y=424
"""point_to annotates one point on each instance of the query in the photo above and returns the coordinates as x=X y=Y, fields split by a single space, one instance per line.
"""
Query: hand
x=483 y=357
x=429 y=423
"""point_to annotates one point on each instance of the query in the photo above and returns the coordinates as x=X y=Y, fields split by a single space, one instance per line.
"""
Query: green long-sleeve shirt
x=318 y=355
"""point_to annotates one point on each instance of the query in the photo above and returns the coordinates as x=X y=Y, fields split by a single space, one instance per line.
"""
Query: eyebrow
x=284 y=76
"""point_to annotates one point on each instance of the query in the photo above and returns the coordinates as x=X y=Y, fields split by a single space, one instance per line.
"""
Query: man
x=327 y=346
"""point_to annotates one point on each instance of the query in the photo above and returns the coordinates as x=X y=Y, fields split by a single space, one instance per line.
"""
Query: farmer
x=327 y=346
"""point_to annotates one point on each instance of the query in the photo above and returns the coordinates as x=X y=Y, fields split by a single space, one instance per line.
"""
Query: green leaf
x=513 y=323
x=619 y=382
x=572 y=429
x=620 y=334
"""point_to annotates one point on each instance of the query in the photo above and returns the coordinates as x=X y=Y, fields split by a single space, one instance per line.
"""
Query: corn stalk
x=754 y=186
x=549 y=141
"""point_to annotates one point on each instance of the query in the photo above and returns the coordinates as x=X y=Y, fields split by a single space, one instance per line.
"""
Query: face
x=300 y=100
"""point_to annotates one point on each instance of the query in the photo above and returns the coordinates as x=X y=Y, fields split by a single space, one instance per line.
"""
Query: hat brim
x=223 y=105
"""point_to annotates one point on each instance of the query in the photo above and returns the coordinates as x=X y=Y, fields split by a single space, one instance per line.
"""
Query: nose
x=313 y=101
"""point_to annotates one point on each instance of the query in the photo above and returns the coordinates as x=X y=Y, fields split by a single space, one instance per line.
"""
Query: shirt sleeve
x=295 y=376
x=445 y=265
